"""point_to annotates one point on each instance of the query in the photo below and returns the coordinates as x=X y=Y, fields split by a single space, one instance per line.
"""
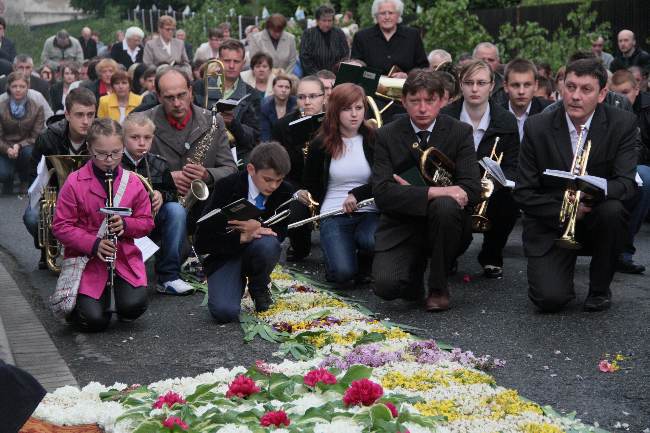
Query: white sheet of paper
x=35 y=191
x=146 y=246
x=638 y=180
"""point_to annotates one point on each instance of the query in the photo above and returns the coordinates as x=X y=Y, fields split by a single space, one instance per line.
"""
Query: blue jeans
x=171 y=231
x=226 y=284
x=30 y=219
x=21 y=164
x=341 y=238
x=639 y=210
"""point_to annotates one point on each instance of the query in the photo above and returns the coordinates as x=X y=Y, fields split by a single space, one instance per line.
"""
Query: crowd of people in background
x=277 y=81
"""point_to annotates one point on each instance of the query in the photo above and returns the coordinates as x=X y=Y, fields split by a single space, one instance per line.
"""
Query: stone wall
x=35 y=12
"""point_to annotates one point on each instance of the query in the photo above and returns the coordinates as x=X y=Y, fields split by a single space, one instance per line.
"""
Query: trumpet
x=572 y=196
x=480 y=223
x=435 y=167
x=361 y=204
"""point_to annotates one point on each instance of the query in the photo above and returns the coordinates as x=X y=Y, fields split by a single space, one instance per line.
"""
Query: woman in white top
x=337 y=174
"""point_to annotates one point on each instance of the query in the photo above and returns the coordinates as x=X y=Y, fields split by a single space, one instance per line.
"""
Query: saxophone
x=198 y=188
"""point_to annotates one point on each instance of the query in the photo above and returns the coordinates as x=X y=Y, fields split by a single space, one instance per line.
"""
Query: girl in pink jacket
x=76 y=224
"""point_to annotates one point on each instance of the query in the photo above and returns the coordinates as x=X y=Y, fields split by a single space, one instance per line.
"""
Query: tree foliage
x=448 y=25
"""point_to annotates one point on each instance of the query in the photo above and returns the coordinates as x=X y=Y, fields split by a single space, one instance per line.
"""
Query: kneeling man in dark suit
x=550 y=141
x=422 y=221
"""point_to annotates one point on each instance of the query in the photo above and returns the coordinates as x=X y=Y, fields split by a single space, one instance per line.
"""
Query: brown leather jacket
x=23 y=131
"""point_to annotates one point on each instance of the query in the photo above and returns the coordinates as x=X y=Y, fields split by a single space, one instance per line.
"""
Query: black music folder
x=240 y=210
x=229 y=104
x=304 y=128
x=368 y=78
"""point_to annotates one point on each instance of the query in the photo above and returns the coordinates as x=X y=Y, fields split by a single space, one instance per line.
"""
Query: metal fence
x=622 y=14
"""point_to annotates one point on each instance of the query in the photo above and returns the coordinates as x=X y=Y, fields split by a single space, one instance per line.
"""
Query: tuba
x=480 y=223
x=572 y=195
x=436 y=168
x=62 y=166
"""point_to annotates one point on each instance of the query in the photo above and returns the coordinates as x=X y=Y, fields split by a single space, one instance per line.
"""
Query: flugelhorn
x=480 y=223
x=572 y=196
x=436 y=168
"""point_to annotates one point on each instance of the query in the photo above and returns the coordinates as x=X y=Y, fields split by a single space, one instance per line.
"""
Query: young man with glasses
x=490 y=122
x=65 y=137
x=310 y=98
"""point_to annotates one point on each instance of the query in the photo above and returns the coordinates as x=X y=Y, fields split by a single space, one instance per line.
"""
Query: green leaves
x=300 y=351
x=253 y=327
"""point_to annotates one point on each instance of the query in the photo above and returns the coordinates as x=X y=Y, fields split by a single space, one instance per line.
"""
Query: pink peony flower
x=320 y=375
x=364 y=392
x=263 y=367
x=169 y=400
x=242 y=387
x=607 y=367
x=275 y=418
x=175 y=421
x=392 y=408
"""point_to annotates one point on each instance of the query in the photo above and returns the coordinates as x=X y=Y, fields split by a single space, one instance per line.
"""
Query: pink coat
x=77 y=220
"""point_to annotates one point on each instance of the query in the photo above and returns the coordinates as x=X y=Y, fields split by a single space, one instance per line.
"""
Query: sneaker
x=491 y=271
x=176 y=287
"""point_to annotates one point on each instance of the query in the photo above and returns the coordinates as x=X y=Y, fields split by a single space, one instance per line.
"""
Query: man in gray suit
x=180 y=128
x=166 y=50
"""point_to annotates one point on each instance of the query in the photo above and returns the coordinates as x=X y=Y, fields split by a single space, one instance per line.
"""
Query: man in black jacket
x=550 y=140
x=418 y=221
x=7 y=48
x=623 y=82
x=630 y=54
x=65 y=137
x=168 y=213
x=242 y=120
x=241 y=250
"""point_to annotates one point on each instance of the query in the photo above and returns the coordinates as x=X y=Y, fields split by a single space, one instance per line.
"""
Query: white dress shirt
x=483 y=125
x=430 y=128
x=134 y=53
x=573 y=132
x=521 y=120
x=253 y=192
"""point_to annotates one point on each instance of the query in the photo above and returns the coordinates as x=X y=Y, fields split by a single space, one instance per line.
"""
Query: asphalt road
x=551 y=359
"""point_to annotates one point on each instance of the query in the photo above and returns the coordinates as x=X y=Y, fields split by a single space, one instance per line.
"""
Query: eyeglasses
x=469 y=83
x=311 y=96
x=172 y=98
x=104 y=156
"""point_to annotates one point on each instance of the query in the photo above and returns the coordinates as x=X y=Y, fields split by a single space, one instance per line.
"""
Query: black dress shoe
x=495 y=272
x=597 y=303
x=262 y=302
x=629 y=267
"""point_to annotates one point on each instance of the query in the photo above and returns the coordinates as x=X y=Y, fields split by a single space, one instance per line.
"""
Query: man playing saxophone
x=181 y=127
x=550 y=142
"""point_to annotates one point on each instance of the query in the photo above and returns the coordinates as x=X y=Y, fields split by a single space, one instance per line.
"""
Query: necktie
x=259 y=201
x=423 y=136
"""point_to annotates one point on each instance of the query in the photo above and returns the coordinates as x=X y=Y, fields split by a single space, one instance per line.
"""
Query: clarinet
x=110 y=261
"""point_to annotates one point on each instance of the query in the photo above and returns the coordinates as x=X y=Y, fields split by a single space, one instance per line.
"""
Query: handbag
x=64 y=298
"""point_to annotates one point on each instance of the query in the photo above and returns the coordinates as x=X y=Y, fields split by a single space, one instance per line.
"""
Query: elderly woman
x=130 y=50
x=275 y=42
x=21 y=121
x=388 y=43
x=260 y=75
x=121 y=100
x=165 y=49
x=102 y=85
x=60 y=89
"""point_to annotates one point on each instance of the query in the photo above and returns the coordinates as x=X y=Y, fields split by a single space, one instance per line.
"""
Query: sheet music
x=494 y=170
x=147 y=247
x=35 y=191
x=595 y=181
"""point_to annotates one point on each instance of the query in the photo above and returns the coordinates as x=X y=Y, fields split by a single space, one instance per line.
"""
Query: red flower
x=391 y=407
x=173 y=421
x=169 y=400
x=276 y=418
x=242 y=387
x=364 y=391
x=320 y=375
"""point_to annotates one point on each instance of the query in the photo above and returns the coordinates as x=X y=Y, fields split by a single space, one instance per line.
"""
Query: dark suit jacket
x=269 y=117
x=245 y=126
x=89 y=47
x=122 y=57
x=316 y=174
x=642 y=110
x=503 y=125
x=211 y=238
x=547 y=145
x=56 y=96
x=537 y=105
x=7 y=50
x=404 y=208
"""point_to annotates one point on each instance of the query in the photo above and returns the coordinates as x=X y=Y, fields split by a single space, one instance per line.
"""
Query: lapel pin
x=187 y=146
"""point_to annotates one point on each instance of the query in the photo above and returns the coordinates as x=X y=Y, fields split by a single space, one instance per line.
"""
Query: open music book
x=494 y=170
x=304 y=128
x=229 y=104
x=240 y=210
x=592 y=185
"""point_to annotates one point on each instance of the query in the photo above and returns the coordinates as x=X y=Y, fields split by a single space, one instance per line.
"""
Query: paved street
x=551 y=359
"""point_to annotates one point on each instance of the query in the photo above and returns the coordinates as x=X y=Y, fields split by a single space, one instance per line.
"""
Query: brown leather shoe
x=437 y=301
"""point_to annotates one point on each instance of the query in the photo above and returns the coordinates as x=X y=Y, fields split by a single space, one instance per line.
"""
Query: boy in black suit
x=250 y=251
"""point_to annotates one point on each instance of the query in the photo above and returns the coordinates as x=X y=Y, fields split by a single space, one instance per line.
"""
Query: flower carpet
x=340 y=369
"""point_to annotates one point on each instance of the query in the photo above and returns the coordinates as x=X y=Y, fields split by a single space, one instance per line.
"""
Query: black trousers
x=93 y=315
x=502 y=211
x=300 y=238
x=602 y=233
x=399 y=271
